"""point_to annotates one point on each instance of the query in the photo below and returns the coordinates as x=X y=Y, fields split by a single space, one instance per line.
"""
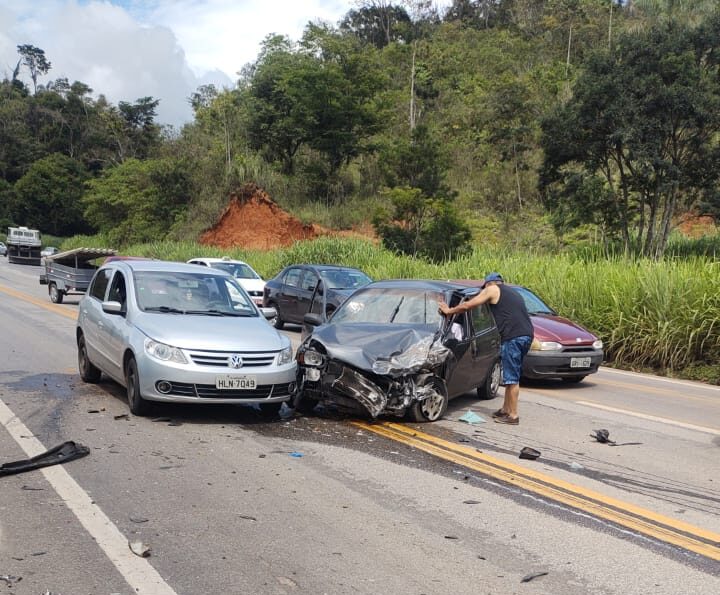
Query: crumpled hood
x=381 y=348
x=556 y=328
x=217 y=333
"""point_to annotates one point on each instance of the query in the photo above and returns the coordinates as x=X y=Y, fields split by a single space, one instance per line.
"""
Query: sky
x=128 y=49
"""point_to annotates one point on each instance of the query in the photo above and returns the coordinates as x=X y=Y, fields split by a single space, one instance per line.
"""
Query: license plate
x=579 y=362
x=228 y=382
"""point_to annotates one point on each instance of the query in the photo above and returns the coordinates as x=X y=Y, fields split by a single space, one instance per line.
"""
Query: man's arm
x=486 y=295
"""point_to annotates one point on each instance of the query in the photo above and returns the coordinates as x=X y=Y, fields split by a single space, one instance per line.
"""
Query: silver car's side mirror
x=268 y=313
x=112 y=307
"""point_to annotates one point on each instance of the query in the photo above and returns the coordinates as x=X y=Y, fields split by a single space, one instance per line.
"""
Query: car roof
x=333 y=267
x=215 y=259
x=163 y=266
x=480 y=283
x=426 y=284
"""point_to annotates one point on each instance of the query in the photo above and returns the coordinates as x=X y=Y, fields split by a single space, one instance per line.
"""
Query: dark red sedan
x=561 y=348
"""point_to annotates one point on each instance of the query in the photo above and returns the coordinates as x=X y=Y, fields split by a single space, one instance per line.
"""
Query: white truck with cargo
x=23 y=246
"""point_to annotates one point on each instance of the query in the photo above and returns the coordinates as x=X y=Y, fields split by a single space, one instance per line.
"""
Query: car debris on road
x=67 y=451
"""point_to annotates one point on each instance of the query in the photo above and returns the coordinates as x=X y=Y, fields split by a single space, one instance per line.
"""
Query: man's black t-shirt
x=511 y=315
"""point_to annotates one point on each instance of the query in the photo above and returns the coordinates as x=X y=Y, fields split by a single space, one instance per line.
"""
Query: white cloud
x=160 y=48
x=127 y=49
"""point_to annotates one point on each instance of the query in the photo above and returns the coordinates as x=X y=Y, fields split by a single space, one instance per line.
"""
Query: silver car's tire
x=138 y=405
x=88 y=372
x=491 y=386
x=434 y=406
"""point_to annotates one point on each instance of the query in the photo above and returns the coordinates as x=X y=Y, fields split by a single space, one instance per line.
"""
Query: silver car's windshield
x=391 y=306
x=237 y=270
x=191 y=293
x=344 y=278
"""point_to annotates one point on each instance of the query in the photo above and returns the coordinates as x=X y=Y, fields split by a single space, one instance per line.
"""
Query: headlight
x=163 y=352
x=312 y=358
x=598 y=344
x=285 y=356
x=545 y=345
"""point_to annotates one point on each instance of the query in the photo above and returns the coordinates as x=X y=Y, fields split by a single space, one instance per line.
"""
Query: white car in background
x=246 y=276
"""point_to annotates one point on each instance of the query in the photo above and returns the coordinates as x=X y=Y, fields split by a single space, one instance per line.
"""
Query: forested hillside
x=513 y=122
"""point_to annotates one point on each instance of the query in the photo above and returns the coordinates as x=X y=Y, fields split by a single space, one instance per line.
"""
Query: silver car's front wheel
x=138 y=405
x=88 y=372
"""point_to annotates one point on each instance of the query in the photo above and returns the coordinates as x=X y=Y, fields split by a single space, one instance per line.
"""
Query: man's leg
x=510 y=404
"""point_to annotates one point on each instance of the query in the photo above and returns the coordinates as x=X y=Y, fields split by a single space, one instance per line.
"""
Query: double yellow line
x=62 y=310
x=637 y=519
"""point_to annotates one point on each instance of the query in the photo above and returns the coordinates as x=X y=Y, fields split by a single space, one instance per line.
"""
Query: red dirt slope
x=254 y=221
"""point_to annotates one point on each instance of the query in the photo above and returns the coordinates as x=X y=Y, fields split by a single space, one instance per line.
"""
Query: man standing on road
x=516 y=333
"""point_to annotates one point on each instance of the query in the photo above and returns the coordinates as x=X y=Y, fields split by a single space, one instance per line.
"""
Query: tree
x=319 y=96
x=422 y=220
x=202 y=97
x=139 y=201
x=140 y=130
x=18 y=148
x=478 y=14
x=688 y=11
x=377 y=25
x=645 y=118
x=35 y=61
x=49 y=196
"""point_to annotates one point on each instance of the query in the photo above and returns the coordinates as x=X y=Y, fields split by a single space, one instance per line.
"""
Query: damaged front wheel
x=435 y=403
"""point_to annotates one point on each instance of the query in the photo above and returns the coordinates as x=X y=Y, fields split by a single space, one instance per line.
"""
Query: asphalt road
x=230 y=502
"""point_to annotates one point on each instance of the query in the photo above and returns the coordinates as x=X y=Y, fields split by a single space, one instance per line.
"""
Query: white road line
x=138 y=572
x=662 y=420
x=698 y=385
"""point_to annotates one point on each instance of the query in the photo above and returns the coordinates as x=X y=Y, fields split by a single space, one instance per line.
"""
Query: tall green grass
x=662 y=315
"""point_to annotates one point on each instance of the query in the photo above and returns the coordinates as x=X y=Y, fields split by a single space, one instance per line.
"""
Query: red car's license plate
x=579 y=362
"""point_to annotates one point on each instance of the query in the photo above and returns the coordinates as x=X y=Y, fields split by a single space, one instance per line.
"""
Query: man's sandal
x=499 y=413
x=506 y=419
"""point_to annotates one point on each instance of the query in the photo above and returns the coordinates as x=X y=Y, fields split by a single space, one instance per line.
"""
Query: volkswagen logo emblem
x=236 y=361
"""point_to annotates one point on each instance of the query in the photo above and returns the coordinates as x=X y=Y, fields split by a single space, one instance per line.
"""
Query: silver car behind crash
x=177 y=333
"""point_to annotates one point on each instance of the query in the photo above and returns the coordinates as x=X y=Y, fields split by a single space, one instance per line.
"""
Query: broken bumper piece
x=67 y=451
x=356 y=386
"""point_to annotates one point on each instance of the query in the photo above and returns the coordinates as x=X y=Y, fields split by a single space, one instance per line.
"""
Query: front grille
x=255 y=293
x=208 y=391
x=221 y=359
x=579 y=349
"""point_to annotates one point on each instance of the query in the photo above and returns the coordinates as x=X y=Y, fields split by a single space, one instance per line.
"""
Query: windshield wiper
x=397 y=308
x=164 y=309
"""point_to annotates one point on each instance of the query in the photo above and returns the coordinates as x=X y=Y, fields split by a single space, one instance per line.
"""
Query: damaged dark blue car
x=387 y=350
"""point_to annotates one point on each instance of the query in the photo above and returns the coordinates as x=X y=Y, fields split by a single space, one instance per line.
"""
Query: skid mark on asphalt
x=638 y=520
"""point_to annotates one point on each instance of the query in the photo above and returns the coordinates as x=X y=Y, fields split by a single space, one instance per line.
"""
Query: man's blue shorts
x=512 y=353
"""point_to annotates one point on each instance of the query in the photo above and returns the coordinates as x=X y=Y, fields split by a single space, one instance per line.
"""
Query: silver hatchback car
x=178 y=333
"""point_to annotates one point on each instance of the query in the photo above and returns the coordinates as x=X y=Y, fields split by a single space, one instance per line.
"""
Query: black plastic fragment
x=67 y=451
x=602 y=436
x=529 y=453
x=10 y=579
x=527 y=578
